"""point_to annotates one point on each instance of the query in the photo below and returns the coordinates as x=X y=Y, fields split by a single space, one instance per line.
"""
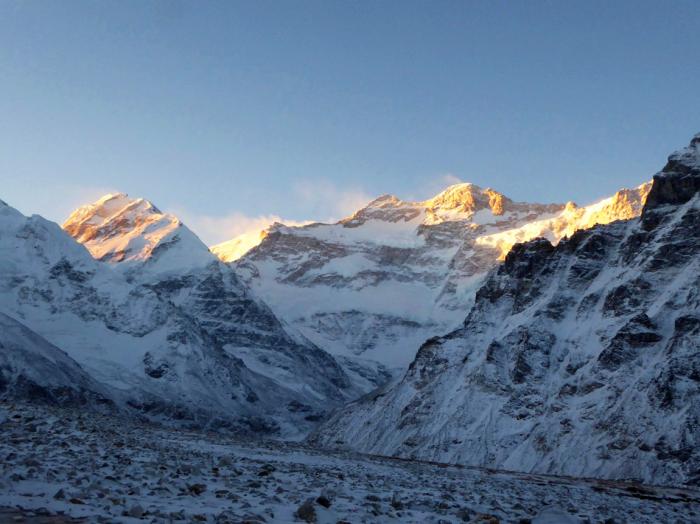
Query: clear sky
x=229 y=113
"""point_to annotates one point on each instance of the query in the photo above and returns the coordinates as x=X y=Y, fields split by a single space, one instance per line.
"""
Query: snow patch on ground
x=69 y=464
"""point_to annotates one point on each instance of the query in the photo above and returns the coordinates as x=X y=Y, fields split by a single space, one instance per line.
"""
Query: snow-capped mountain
x=175 y=339
x=118 y=228
x=395 y=273
x=173 y=251
x=579 y=359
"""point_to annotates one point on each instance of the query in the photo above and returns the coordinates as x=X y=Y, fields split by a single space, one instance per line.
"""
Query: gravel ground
x=65 y=466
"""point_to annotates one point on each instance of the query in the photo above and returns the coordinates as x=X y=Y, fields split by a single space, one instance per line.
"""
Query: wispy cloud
x=449 y=179
x=325 y=201
x=316 y=200
x=433 y=185
x=216 y=229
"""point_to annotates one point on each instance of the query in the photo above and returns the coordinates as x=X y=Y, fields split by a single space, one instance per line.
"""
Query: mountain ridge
x=378 y=283
x=177 y=342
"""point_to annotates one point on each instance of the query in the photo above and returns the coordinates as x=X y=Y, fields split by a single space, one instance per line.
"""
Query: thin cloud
x=434 y=185
x=449 y=179
x=325 y=201
x=315 y=200
x=216 y=229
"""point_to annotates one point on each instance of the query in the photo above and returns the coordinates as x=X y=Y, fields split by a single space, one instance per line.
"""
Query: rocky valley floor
x=65 y=466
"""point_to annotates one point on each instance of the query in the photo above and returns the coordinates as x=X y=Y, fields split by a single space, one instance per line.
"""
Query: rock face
x=161 y=322
x=579 y=359
x=380 y=282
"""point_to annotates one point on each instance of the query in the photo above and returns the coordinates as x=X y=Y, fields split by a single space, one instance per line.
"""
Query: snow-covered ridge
x=396 y=272
x=372 y=285
x=579 y=358
x=623 y=205
x=32 y=368
x=233 y=249
x=464 y=202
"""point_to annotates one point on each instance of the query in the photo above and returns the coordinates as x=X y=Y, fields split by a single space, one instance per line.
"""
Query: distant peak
x=383 y=200
x=233 y=249
x=460 y=187
x=462 y=190
x=468 y=198
x=119 y=228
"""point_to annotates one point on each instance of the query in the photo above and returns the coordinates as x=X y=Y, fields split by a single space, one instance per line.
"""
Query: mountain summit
x=464 y=202
x=679 y=180
x=117 y=228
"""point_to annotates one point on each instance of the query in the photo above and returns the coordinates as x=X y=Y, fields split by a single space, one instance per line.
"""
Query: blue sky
x=230 y=113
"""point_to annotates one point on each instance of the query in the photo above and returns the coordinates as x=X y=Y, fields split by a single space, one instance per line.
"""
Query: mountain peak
x=679 y=180
x=111 y=196
x=686 y=159
x=113 y=203
x=456 y=202
x=119 y=228
x=468 y=198
x=384 y=201
x=460 y=187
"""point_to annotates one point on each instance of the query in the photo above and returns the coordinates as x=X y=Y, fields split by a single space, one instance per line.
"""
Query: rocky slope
x=175 y=338
x=578 y=359
x=129 y=472
x=380 y=282
x=32 y=368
